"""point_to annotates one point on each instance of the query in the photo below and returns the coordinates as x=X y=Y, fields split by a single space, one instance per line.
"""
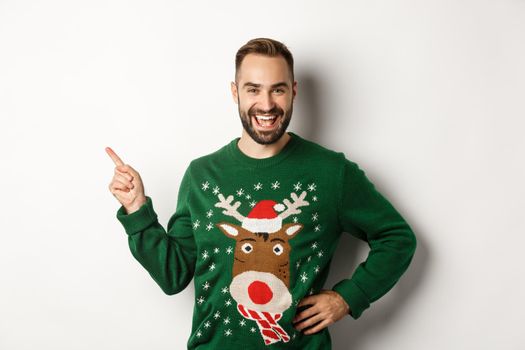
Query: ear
x=294 y=89
x=292 y=229
x=228 y=229
x=234 y=91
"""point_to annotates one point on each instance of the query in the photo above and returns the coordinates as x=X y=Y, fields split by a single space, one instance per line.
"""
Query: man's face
x=264 y=92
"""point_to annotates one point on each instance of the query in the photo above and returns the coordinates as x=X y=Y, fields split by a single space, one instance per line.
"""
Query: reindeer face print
x=261 y=264
x=260 y=251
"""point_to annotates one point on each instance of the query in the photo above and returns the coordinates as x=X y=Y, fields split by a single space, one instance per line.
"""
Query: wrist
x=135 y=206
x=343 y=302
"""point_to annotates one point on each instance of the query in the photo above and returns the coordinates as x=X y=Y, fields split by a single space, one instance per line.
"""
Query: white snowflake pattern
x=311 y=291
x=252 y=329
x=216 y=190
x=258 y=186
x=293 y=336
x=317 y=269
x=295 y=219
x=209 y=213
x=209 y=226
x=226 y=320
x=248 y=197
x=205 y=255
x=242 y=323
x=297 y=264
x=275 y=185
x=212 y=266
x=228 y=332
x=228 y=302
x=252 y=204
x=198 y=334
x=229 y=250
x=207 y=324
x=309 y=258
x=317 y=228
x=314 y=198
x=216 y=250
x=205 y=185
x=217 y=315
x=206 y=285
x=315 y=216
x=200 y=300
x=224 y=290
x=320 y=253
x=304 y=277
x=196 y=224
x=314 y=245
x=312 y=187
x=297 y=186
x=240 y=192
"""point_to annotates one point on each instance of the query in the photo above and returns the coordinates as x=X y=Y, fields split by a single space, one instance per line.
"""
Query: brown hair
x=266 y=47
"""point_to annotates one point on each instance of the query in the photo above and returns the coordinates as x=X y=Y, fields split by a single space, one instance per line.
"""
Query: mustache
x=275 y=110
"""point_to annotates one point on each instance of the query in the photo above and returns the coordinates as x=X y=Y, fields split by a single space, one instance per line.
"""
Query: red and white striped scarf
x=267 y=322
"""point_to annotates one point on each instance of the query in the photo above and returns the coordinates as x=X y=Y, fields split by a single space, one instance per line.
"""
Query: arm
x=369 y=216
x=169 y=256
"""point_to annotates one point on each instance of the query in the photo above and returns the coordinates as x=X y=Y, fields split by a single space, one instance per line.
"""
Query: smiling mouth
x=265 y=121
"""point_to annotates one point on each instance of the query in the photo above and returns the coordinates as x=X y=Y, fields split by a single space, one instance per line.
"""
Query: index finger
x=116 y=159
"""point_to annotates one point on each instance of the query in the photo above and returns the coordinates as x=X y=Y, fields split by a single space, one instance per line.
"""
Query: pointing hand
x=126 y=184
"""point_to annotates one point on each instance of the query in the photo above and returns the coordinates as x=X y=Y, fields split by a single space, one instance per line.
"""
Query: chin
x=270 y=139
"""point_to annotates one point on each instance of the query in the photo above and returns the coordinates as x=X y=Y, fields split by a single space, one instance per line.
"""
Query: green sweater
x=258 y=235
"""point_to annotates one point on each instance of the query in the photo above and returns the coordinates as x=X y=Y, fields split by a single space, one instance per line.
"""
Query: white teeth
x=263 y=117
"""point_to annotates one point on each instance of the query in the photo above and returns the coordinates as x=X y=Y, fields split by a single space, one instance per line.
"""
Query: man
x=257 y=223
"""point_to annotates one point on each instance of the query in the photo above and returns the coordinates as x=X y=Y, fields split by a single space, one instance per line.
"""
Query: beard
x=265 y=137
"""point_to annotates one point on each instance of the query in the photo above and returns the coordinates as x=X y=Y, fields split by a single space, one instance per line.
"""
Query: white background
x=427 y=96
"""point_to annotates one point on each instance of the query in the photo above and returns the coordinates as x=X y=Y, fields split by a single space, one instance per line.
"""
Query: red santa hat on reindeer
x=263 y=217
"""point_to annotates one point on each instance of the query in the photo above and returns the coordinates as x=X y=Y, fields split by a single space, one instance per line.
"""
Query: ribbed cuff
x=139 y=220
x=354 y=297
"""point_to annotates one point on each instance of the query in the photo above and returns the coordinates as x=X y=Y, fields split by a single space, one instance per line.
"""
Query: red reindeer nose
x=259 y=292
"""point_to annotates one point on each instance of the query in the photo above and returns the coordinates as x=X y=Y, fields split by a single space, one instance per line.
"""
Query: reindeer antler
x=231 y=210
x=292 y=208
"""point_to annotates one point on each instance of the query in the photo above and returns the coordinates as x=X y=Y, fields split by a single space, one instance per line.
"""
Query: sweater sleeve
x=168 y=256
x=368 y=215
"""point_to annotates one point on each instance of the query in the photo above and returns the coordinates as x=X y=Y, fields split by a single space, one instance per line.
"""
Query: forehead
x=264 y=70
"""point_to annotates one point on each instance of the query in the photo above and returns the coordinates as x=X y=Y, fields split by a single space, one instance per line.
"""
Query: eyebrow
x=279 y=84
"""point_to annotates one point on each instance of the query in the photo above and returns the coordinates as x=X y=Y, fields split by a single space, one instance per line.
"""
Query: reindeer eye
x=247 y=248
x=278 y=249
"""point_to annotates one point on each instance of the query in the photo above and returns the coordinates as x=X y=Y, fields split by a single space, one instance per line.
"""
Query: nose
x=260 y=292
x=266 y=102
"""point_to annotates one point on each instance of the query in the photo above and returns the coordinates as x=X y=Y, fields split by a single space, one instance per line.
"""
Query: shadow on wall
x=349 y=333
x=309 y=102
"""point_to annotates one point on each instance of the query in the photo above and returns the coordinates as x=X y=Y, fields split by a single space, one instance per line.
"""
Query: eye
x=252 y=91
x=247 y=248
x=278 y=91
x=278 y=249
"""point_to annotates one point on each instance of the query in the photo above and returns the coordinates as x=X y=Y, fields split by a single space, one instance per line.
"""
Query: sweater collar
x=246 y=160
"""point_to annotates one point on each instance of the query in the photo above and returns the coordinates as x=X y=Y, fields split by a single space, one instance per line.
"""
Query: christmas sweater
x=258 y=235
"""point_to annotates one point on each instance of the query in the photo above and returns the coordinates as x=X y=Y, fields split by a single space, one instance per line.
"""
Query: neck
x=255 y=150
